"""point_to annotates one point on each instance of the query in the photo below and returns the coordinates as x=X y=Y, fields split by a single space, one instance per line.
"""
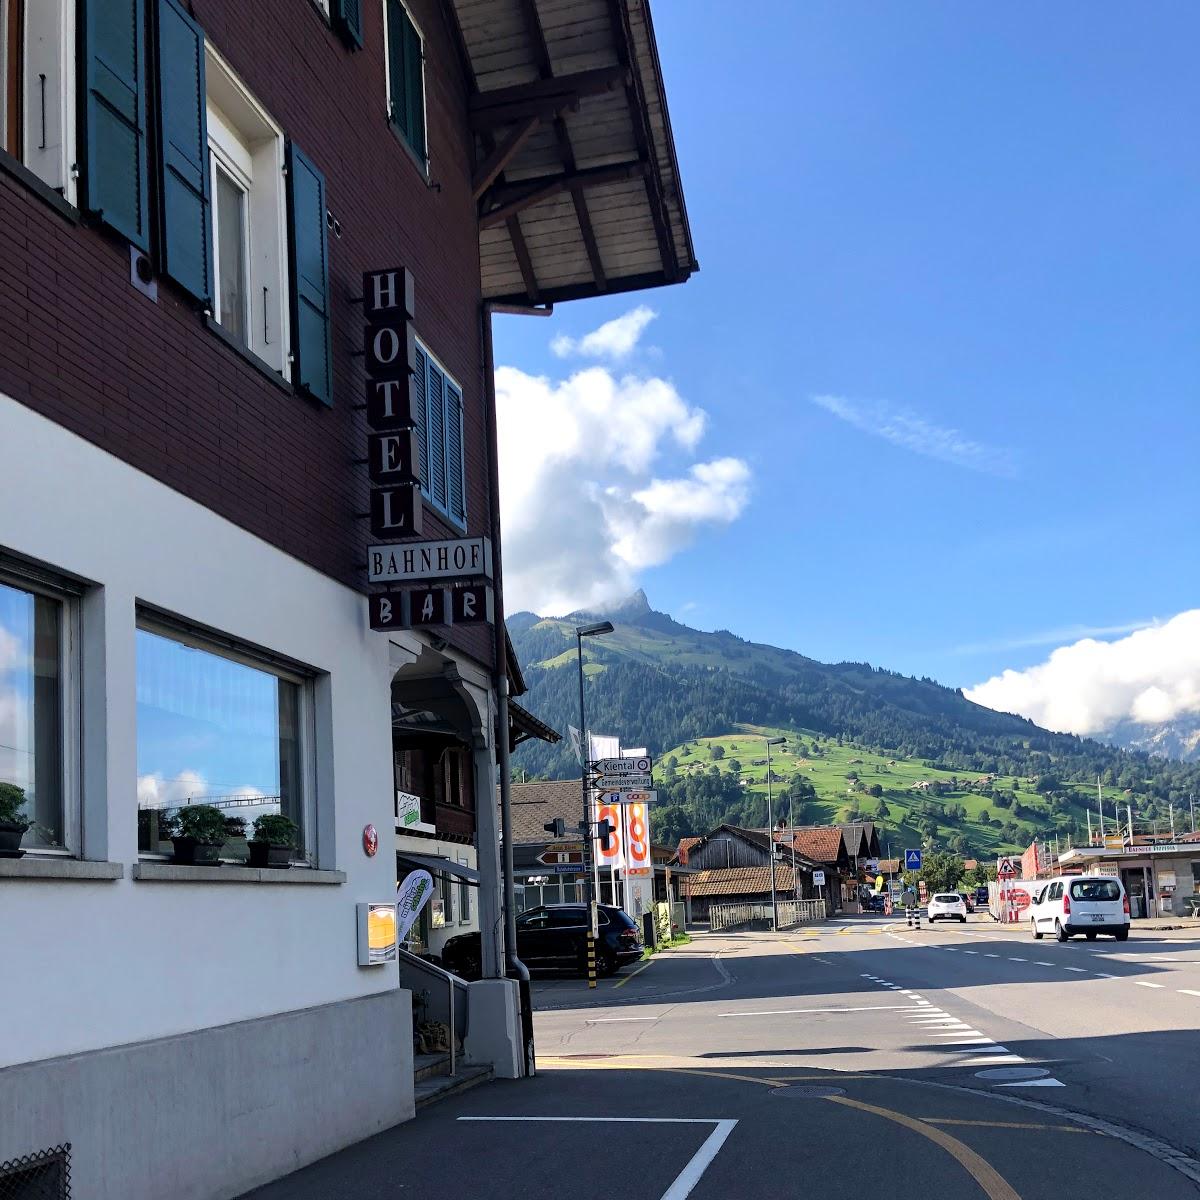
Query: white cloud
x=1050 y=637
x=615 y=339
x=155 y=791
x=584 y=508
x=1090 y=686
x=12 y=655
x=905 y=428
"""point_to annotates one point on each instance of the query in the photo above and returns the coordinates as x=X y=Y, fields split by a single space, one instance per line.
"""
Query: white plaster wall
x=89 y=965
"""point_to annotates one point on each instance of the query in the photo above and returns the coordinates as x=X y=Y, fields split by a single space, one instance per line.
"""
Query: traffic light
x=556 y=828
x=604 y=831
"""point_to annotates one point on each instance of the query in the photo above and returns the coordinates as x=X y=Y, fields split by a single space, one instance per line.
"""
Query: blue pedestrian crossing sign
x=912 y=860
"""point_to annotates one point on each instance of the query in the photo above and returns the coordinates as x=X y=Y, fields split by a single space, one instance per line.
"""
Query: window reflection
x=213 y=730
x=31 y=713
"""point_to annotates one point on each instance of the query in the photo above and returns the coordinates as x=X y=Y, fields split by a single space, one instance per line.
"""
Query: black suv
x=555 y=936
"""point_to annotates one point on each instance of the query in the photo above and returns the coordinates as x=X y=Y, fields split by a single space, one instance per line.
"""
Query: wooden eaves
x=576 y=178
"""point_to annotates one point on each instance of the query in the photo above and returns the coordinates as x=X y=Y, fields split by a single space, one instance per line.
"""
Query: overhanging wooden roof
x=576 y=177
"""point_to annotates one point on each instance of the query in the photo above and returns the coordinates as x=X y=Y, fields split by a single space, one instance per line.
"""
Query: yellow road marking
x=635 y=974
x=1008 y=1125
x=984 y=1174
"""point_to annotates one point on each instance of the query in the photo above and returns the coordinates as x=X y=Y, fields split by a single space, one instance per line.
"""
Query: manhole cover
x=1009 y=1074
x=806 y=1091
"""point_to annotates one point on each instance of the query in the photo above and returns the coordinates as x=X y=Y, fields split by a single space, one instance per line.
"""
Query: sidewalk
x=1141 y=925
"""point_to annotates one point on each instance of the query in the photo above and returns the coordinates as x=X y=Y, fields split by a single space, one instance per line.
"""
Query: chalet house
x=732 y=865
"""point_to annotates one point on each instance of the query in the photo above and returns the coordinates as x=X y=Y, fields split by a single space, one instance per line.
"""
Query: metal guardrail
x=790 y=913
x=453 y=1009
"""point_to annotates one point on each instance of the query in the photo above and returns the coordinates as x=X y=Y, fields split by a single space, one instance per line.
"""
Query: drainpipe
x=516 y=968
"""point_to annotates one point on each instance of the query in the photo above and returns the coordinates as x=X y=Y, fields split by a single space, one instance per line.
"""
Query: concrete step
x=437 y=1087
x=426 y=1066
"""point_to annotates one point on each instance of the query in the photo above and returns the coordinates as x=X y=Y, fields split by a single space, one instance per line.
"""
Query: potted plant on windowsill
x=12 y=824
x=274 y=841
x=198 y=832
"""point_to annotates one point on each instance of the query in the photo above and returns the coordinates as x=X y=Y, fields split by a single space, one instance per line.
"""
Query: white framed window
x=405 y=74
x=37 y=89
x=39 y=709
x=223 y=726
x=249 y=216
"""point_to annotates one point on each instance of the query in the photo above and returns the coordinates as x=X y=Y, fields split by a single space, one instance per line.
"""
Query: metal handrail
x=452 y=982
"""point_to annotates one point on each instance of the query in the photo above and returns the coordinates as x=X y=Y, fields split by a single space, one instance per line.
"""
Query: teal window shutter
x=456 y=507
x=414 y=86
x=115 y=167
x=347 y=19
x=435 y=408
x=419 y=407
x=184 y=197
x=309 y=245
x=406 y=77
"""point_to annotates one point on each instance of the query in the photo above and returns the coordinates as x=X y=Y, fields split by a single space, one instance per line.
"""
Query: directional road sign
x=621 y=768
x=912 y=860
x=625 y=796
x=552 y=856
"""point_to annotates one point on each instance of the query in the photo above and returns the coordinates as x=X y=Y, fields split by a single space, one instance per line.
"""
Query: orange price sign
x=612 y=857
x=637 y=839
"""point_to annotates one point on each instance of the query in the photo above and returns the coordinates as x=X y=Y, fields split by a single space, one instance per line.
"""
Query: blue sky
x=947 y=316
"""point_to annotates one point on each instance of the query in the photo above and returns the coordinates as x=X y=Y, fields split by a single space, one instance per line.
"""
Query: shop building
x=190 y=198
x=1161 y=878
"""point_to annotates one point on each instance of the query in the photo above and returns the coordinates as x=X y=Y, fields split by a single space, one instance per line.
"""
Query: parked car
x=874 y=903
x=1086 y=904
x=968 y=900
x=555 y=936
x=982 y=897
x=946 y=906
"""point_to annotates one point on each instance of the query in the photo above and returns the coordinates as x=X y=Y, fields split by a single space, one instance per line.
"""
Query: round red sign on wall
x=370 y=841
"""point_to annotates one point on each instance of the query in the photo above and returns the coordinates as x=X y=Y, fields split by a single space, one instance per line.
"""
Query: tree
x=735 y=766
x=883 y=812
x=985 y=817
x=941 y=871
x=716 y=752
x=875 y=790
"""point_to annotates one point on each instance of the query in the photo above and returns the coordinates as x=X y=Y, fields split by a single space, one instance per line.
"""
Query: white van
x=1087 y=904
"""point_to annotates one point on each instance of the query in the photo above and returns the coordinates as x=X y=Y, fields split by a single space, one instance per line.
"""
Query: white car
x=1087 y=904
x=946 y=906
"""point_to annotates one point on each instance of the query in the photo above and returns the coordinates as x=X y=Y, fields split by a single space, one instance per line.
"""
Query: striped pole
x=591 y=959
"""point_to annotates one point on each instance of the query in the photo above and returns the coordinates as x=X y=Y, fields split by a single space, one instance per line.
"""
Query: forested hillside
x=658 y=683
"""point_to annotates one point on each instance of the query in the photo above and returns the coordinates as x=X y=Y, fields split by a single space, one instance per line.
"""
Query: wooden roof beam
x=623 y=36
x=521 y=250
x=566 y=152
x=502 y=155
x=512 y=198
x=553 y=88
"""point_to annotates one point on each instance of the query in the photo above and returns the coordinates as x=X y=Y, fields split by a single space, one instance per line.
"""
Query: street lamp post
x=582 y=631
x=771 y=835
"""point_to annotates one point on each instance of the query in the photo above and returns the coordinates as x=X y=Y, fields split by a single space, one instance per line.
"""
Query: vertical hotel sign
x=390 y=351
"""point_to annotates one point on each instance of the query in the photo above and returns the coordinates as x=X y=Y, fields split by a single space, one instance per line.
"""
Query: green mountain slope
x=659 y=683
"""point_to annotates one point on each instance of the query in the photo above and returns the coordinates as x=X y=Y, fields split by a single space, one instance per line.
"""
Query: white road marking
x=1014 y=958
x=687 y=1179
x=966 y=1033
x=970 y=951
x=988 y=1062
x=1143 y=983
x=1106 y=975
x=614 y=1020
x=1037 y=962
x=1079 y=969
x=785 y=1012
x=1033 y=1083
x=1188 y=992
x=981 y=1040
x=991 y=956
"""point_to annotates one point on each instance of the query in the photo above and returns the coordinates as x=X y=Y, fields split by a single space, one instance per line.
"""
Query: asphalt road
x=842 y=1057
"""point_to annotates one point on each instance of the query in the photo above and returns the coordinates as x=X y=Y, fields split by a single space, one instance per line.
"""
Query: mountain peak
x=630 y=610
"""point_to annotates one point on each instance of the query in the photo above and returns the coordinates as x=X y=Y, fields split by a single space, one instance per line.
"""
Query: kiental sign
x=430 y=560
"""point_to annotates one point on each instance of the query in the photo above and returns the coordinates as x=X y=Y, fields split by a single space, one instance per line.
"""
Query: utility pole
x=586 y=825
x=771 y=837
x=1192 y=806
